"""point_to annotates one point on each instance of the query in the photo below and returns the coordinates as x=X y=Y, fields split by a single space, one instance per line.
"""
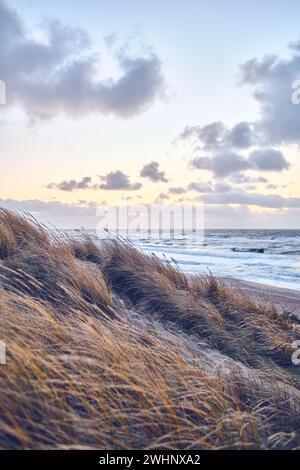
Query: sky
x=162 y=102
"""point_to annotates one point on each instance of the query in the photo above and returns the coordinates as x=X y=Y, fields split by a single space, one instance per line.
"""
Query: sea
x=266 y=256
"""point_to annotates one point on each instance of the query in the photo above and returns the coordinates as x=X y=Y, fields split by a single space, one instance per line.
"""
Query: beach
x=287 y=300
x=270 y=257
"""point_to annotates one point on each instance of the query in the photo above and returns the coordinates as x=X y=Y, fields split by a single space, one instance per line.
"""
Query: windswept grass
x=109 y=348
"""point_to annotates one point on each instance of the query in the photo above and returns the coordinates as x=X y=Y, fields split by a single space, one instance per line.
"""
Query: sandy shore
x=285 y=299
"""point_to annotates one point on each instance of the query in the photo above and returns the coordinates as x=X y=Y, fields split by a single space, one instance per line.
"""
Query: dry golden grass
x=109 y=348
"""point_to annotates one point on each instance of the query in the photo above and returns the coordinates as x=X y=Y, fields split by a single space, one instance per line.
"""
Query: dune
x=286 y=300
x=109 y=348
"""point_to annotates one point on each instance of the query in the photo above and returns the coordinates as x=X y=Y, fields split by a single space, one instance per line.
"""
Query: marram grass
x=108 y=348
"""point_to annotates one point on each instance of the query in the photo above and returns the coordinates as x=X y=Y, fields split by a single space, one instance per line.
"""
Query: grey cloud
x=250 y=187
x=51 y=208
x=241 y=178
x=72 y=185
x=110 y=40
x=117 y=180
x=216 y=136
x=222 y=187
x=272 y=201
x=177 y=190
x=224 y=216
x=151 y=170
x=259 y=179
x=271 y=80
x=240 y=136
x=210 y=135
x=217 y=215
x=59 y=75
x=222 y=164
x=268 y=160
x=163 y=196
x=227 y=163
x=253 y=70
x=200 y=187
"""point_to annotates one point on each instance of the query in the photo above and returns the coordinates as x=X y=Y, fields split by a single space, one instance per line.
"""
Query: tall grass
x=109 y=348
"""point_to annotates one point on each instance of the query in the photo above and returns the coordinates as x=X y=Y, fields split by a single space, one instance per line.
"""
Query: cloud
x=216 y=136
x=163 y=196
x=58 y=75
x=50 y=208
x=271 y=201
x=274 y=81
x=210 y=135
x=151 y=171
x=271 y=79
x=222 y=187
x=224 y=216
x=241 y=178
x=177 y=190
x=222 y=164
x=110 y=40
x=227 y=163
x=72 y=185
x=268 y=160
x=240 y=136
x=117 y=180
x=200 y=187
x=84 y=214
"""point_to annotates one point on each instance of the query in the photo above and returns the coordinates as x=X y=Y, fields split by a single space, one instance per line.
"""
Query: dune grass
x=108 y=348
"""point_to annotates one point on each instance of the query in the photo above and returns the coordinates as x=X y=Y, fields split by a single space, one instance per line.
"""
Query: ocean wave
x=248 y=250
x=291 y=252
x=268 y=250
x=270 y=257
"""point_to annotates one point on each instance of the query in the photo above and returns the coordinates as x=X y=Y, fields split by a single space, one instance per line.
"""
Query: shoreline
x=283 y=298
